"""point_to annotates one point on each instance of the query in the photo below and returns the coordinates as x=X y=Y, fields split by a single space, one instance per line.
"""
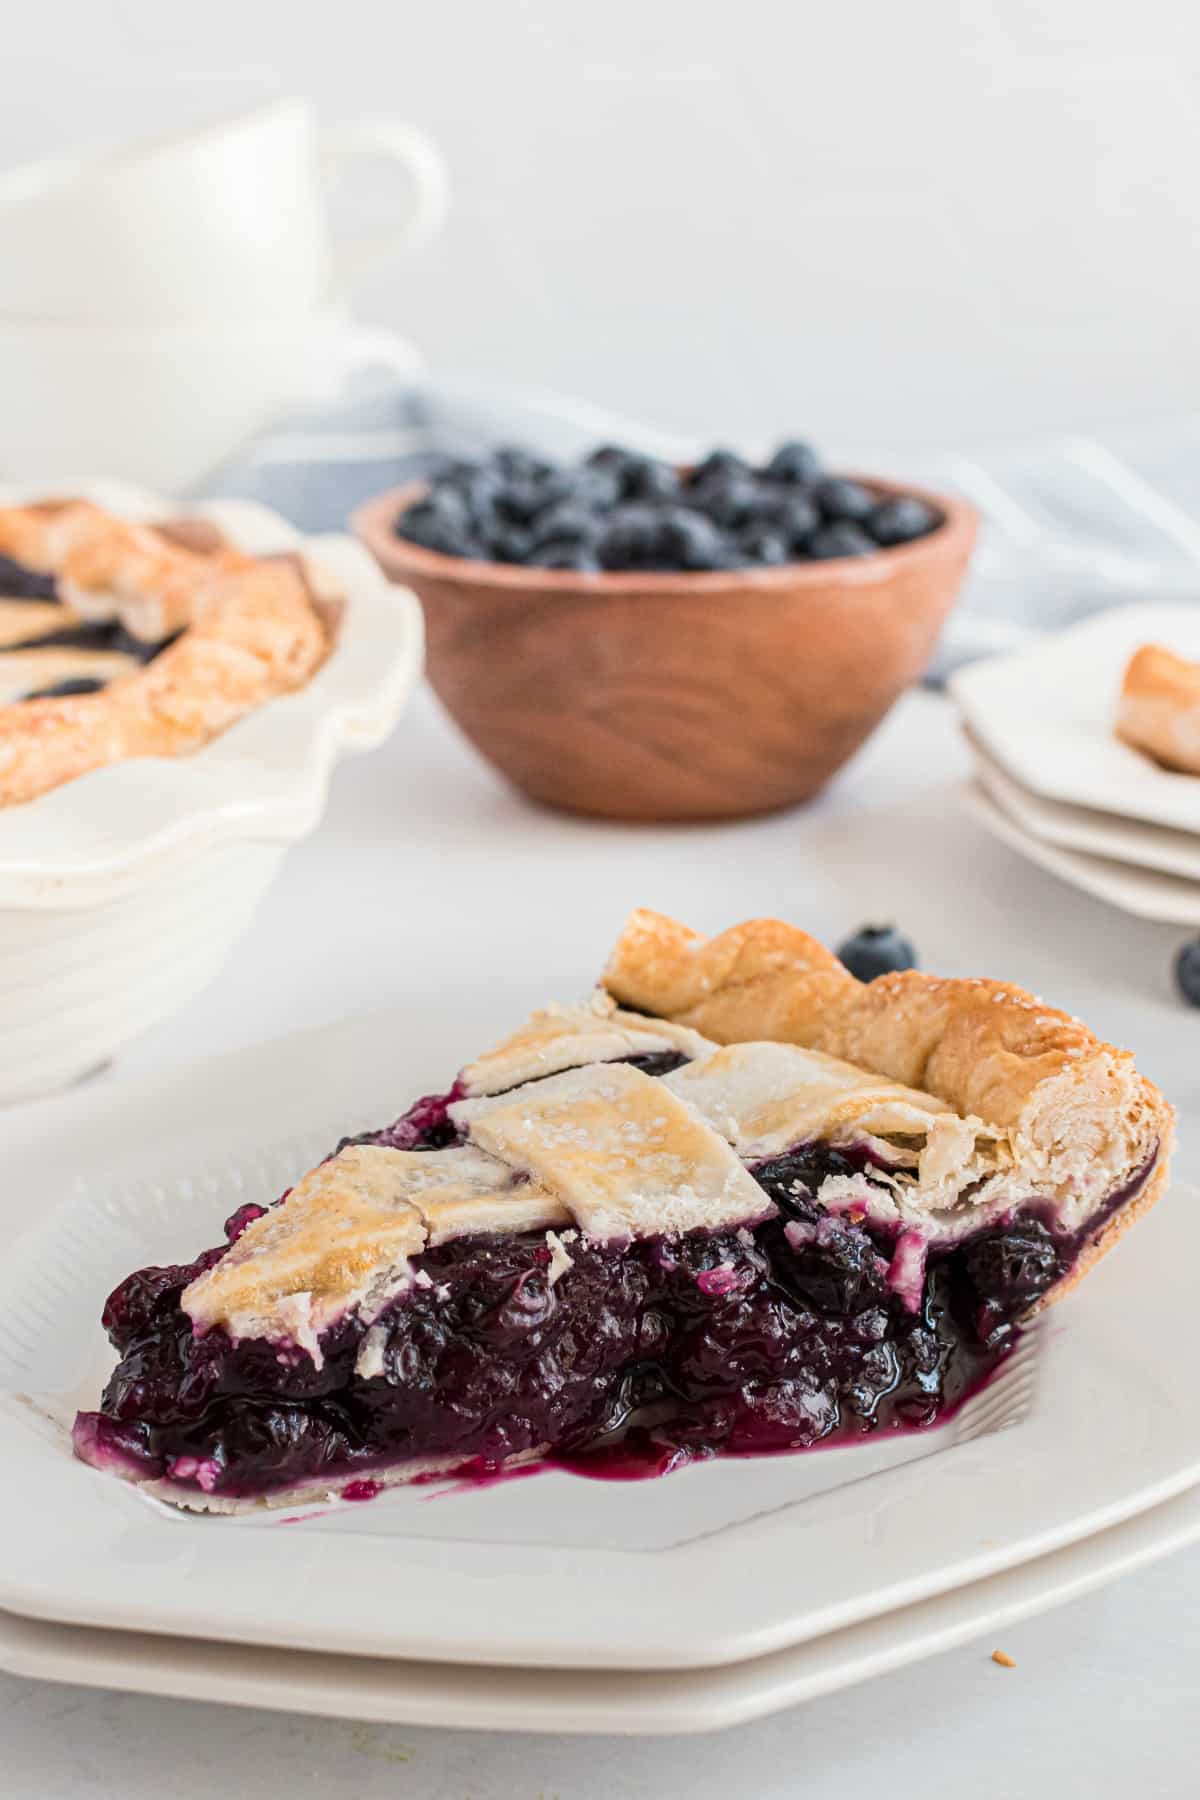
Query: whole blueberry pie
x=738 y=1202
x=123 y=640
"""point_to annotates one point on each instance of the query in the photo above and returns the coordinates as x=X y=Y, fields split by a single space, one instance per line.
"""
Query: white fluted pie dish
x=121 y=892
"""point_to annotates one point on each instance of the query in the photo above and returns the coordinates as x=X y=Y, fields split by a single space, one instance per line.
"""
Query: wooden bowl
x=676 y=696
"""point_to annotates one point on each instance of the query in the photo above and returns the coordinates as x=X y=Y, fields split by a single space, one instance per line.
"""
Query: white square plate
x=1096 y=834
x=722 y=1562
x=618 y=1701
x=1147 y=893
x=1047 y=714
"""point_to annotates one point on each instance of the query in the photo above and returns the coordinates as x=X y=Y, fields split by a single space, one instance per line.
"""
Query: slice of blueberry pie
x=120 y=639
x=738 y=1202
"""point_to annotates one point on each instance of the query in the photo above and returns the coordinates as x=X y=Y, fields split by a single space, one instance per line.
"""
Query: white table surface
x=425 y=874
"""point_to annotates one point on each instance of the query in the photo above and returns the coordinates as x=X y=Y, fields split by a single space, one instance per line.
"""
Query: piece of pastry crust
x=1159 y=708
x=313 y=1493
x=250 y=630
x=1074 y=1112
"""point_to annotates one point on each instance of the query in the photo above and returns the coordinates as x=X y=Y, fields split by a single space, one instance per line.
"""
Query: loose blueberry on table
x=619 y=1244
x=1187 y=972
x=619 y=509
x=876 y=950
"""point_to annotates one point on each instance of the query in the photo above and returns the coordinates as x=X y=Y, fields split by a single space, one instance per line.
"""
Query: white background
x=940 y=221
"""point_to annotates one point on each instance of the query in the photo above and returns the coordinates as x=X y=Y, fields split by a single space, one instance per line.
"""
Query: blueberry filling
x=19 y=583
x=61 y=690
x=660 y=1350
x=98 y=634
x=713 y=1336
x=794 y=1178
x=657 y=1062
x=426 y=1125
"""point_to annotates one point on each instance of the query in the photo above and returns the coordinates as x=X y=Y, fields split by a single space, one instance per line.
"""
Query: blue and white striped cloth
x=1072 y=525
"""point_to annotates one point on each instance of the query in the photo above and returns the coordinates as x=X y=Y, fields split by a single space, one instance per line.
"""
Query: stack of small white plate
x=554 y=1603
x=1053 y=781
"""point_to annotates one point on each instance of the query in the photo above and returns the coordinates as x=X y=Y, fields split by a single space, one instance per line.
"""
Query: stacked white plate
x=1053 y=781
x=720 y=1593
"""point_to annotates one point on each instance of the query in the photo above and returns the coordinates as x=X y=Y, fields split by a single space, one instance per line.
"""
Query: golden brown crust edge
x=1074 y=1109
x=982 y=1046
x=1110 y=1233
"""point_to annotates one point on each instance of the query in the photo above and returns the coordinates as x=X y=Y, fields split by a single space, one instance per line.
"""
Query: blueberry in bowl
x=640 y=508
x=633 y=640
